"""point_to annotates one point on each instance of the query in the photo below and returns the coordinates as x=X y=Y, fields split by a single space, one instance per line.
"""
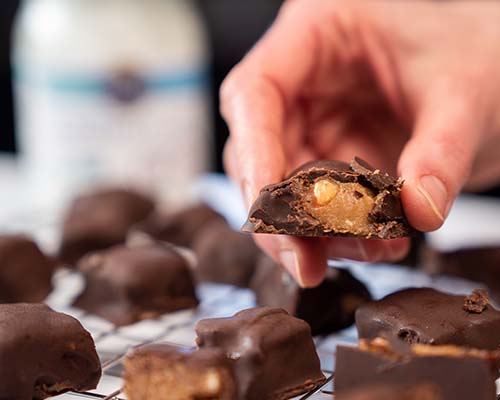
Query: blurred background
x=120 y=90
x=82 y=69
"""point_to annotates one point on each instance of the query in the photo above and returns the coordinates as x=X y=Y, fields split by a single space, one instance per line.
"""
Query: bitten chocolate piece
x=331 y=198
x=179 y=228
x=100 y=220
x=44 y=353
x=161 y=371
x=327 y=308
x=25 y=272
x=273 y=352
x=424 y=315
x=224 y=255
x=457 y=373
x=125 y=284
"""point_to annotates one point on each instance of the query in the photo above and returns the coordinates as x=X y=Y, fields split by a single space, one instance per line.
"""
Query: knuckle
x=456 y=153
x=230 y=84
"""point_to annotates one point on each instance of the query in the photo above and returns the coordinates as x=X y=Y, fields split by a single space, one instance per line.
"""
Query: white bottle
x=111 y=91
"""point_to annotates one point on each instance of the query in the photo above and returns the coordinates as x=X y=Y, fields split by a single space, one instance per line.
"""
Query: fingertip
x=354 y=249
x=425 y=207
x=311 y=261
x=396 y=249
x=304 y=258
x=367 y=250
x=437 y=160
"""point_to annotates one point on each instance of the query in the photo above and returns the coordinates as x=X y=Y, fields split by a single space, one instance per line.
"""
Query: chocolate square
x=273 y=353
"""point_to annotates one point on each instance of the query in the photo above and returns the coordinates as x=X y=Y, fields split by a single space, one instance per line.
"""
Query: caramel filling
x=176 y=382
x=341 y=207
x=382 y=346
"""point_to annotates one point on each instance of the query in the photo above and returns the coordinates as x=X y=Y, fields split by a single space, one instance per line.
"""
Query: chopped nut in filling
x=177 y=382
x=341 y=207
x=382 y=346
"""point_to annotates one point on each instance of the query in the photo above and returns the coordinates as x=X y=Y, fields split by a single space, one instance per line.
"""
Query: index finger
x=256 y=94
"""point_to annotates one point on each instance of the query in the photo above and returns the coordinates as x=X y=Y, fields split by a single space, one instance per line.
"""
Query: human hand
x=410 y=85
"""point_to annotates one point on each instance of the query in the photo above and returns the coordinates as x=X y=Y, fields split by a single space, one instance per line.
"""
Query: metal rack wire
x=176 y=328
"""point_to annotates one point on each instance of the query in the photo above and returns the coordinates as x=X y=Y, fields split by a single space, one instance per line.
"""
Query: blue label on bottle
x=124 y=85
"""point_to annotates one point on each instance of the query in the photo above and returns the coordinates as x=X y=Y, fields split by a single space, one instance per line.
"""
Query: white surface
x=474 y=221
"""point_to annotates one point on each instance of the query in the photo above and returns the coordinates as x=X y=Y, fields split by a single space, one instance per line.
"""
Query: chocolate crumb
x=476 y=302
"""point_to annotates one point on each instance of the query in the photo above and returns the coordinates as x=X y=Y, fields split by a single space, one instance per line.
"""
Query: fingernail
x=434 y=191
x=290 y=261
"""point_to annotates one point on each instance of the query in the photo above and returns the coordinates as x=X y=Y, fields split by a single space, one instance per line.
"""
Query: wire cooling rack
x=175 y=328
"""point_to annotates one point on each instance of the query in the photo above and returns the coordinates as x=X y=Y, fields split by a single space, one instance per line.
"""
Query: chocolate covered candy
x=44 y=353
x=100 y=220
x=327 y=308
x=161 y=371
x=455 y=373
x=224 y=255
x=332 y=198
x=25 y=272
x=181 y=227
x=424 y=315
x=273 y=352
x=125 y=284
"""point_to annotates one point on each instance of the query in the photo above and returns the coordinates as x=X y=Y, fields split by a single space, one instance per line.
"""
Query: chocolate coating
x=327 y=308
x=100 y=220
x=273 y=352
x=125 y=284
x=44 y=353
x=426 y=315
x=454 y=372
x=369 y=205
x=179 y=228
x=178 y=374
x=25 y=272
x=224 y=255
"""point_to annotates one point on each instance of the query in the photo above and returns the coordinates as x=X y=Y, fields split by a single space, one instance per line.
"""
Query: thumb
x=436 y=162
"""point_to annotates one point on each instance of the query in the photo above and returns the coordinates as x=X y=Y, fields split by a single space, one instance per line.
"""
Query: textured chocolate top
x=44 y=353
x=100 y=220
x=179 y=228
x=224 y=255
x=327 y=308
x=282 y=207
x=426 y=315
x=273 y=352
x=25 y=272
x=125 y=284
x=455 y=373
x=178 y=374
